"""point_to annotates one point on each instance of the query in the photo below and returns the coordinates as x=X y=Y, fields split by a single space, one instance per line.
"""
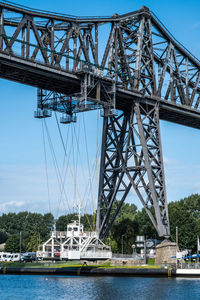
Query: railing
x=97 y=254
x=43 y=254
x=192 y=265
x=126 y=256
x=59 y=234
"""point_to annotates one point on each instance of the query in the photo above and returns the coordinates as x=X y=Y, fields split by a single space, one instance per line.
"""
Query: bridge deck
x=45 y=77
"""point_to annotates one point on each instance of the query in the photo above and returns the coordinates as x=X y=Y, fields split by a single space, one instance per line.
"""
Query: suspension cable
x=46 y=171
x=59 y=177
x=96 y=167
x=92 y=176
x=79 y=153
x=63 y=174
x=87 y=157
x=76 y=159
x=70 y=169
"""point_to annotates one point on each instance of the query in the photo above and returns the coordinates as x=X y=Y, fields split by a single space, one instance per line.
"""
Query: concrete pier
x=164 y=253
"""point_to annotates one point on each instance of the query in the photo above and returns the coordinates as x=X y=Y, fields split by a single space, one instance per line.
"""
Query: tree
x=29 y=224
x=127 y=211
x=13 y=223
x=124 y=225
x=63 y=221
x=87 y=221
x=13 y=244
x=3 y=236
x=48 y=224
x=124 y=232
x=32 y=245
x=145 y=225
x=184 y=214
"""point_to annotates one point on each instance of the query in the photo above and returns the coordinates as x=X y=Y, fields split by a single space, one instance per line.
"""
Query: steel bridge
x=128 y=65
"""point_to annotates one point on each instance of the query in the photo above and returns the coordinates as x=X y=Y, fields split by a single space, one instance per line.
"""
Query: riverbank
x=75 y=268
x=90 y=271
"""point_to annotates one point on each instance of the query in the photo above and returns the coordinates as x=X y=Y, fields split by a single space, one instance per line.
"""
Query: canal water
x=20 y=287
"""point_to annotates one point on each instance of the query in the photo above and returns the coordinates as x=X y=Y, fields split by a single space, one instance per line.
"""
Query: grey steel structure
x=128 y=65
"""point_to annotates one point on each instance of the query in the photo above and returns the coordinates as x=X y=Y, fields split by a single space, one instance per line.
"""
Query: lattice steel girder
x=133 y=49
x=132 y=158
x=93 y=94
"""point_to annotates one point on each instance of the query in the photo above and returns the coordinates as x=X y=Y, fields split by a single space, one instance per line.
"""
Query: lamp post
x=176 y=246
x=145 y=251
x=20 y=244
x=122 y=244
x=20 y=237
x=38 y=241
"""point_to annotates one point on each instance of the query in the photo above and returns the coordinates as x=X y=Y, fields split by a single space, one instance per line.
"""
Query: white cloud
x=11 y=206
x=25 y=188
x=195 y=25
x=169 y=161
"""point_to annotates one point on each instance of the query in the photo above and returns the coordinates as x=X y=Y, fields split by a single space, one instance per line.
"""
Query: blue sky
x=22 y=168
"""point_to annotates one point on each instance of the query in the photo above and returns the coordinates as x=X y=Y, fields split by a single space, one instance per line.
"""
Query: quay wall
x=90 y=271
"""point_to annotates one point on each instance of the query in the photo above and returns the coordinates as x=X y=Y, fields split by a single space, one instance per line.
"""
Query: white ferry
x=74 y=244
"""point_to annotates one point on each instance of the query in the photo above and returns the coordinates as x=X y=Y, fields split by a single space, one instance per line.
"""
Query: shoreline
x=100 y=271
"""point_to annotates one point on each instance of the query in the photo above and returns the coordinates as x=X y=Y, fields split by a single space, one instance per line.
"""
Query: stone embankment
x=90 y=271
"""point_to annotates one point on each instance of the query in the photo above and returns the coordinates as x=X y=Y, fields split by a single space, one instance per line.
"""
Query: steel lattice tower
x=132 y=157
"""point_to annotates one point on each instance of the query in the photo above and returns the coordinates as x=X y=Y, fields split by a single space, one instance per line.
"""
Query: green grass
x=134 y=267
x=18 y=264
x=68 y=264
x=151 y=261
x=40 y=264
x=48 y=264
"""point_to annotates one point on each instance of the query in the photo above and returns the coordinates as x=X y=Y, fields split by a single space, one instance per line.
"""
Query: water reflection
x=18 y=287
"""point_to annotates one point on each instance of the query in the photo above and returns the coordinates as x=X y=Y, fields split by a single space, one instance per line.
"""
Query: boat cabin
x=74 y=229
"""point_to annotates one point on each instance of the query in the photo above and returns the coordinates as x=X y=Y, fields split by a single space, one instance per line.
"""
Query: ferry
x=74 y=244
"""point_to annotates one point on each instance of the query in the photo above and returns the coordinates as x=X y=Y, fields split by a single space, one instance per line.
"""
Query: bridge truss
x=128 y=65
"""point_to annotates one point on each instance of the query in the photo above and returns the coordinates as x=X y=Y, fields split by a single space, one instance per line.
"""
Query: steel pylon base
x=131 y=158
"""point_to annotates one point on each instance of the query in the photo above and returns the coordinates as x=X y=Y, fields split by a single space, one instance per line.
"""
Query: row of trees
x=184 y=214
x=35 y=228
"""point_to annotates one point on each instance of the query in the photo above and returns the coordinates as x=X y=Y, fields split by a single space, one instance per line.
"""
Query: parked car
x=29 y=257
x=3 y=255
x=8 y=257
x=15 y=257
